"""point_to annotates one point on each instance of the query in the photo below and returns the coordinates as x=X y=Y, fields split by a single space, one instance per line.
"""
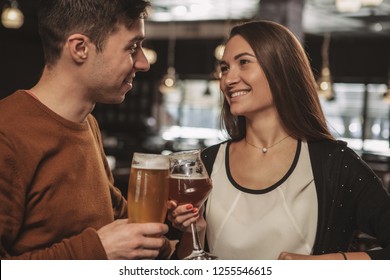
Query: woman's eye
x=223 y=68
x=244 y=61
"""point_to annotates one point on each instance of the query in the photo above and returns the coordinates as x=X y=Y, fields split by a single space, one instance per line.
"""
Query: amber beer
x=148 y=188
x=192 y=190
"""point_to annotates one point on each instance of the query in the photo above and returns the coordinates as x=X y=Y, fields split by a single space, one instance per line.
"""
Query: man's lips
x=129 y=81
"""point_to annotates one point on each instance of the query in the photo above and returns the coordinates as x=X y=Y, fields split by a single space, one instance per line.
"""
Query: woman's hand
x=332 y=256
x=292 y=256
x=183 y=216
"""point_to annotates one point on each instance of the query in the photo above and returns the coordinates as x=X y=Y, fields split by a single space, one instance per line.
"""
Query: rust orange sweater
x=56 y=188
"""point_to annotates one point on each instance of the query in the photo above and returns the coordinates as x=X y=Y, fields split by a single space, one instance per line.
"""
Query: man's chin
x=114 y=100
x=120 y=99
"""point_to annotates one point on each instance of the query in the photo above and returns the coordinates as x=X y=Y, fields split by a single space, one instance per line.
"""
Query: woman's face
x=243 y=81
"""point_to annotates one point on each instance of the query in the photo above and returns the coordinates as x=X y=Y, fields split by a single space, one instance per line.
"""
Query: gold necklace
x=265 y=149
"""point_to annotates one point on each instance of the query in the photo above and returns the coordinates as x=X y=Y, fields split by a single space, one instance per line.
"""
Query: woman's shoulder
x=335 y=153
x=327 y=145
x=214 y=148
x=209 y=154
x=330 y=148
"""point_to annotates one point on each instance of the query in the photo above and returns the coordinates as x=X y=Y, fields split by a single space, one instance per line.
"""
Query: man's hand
x=123 y=240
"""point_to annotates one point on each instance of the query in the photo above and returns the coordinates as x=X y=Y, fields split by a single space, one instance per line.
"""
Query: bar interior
x=176 y=104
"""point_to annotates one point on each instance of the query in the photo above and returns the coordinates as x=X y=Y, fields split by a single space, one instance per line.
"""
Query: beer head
x=186 y=163
x=150 y=161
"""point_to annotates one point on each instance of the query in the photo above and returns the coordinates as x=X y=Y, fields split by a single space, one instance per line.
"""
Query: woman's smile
x=239 y=93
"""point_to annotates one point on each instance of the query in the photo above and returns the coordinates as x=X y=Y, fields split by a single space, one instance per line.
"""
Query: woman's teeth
x=238 y=93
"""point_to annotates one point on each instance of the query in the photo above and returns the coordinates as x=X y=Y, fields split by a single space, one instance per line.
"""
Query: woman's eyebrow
x=243 y=54
x=237 y=57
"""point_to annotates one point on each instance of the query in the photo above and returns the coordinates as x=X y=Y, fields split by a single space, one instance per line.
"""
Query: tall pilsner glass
x=190 y=183
x=148 y=188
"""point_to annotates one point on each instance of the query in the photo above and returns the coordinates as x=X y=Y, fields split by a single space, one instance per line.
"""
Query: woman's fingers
x=182 y=216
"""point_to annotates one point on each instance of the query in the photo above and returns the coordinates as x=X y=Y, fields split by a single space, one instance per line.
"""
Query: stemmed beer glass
x=190 y=183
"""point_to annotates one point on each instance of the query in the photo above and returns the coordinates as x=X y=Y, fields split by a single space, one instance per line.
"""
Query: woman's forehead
x=236 y=45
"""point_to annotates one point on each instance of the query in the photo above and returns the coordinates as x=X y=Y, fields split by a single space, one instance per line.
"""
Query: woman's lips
x=239 y=93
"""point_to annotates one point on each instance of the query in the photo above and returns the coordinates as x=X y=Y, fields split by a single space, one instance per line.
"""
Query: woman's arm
x=332 y=256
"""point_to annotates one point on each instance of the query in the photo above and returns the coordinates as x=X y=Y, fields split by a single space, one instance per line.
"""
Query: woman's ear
x=78 y=47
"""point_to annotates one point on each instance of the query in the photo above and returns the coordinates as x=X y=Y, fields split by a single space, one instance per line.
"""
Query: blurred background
x=176 y=105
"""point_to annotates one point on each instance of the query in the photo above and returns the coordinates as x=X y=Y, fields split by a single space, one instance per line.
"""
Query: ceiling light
x=377 y=27
x=11 y=16
x=218 y=52
x=348 y=6
x=325 y=83
x=179 y=11
x=170 y=78
x=151 y=55
x=371 y=3
x=168 y=83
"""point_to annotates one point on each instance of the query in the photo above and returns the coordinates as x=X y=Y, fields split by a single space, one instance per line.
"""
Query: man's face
x=113 y=70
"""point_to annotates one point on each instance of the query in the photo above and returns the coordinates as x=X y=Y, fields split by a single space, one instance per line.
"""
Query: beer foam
x=150 y=161
x=194 y=176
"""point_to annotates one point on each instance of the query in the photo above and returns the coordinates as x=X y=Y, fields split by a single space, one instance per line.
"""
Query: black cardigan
x=350 y=197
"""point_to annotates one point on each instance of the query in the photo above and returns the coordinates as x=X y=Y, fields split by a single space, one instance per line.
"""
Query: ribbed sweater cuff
x=87 y=246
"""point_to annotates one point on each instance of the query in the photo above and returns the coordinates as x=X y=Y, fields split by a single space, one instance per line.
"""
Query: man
x=57 y=199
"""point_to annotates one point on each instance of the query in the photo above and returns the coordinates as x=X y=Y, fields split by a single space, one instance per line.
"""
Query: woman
x=283 y=187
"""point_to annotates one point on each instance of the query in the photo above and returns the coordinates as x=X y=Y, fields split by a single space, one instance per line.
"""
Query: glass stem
x=195 y=238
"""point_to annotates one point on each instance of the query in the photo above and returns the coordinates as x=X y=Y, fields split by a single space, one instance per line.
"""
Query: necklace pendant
x=264 y=150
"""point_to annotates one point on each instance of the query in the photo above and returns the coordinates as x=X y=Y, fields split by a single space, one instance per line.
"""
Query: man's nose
x=142 y=64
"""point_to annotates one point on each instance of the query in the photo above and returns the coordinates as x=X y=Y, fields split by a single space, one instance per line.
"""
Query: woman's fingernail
x=189 y=206
x=195 y=210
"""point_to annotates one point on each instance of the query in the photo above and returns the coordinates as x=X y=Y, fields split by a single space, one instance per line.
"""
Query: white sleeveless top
x=259 y=224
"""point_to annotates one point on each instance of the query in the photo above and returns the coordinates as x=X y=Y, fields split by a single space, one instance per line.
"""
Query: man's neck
x=62 y=96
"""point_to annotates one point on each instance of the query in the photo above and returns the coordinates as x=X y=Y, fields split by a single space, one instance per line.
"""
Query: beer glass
x=190 y=183
x=148 y=188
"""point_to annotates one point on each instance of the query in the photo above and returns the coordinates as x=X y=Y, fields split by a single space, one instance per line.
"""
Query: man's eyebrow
x=136 y=39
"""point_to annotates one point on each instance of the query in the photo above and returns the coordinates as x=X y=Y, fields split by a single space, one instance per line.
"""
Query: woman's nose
x=231 y=78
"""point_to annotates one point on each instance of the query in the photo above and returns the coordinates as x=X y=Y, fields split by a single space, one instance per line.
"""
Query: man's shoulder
x=11 y=107
x=14 y=101
x=16 y=94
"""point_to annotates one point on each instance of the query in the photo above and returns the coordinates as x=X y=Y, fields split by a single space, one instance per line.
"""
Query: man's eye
x=133 y=48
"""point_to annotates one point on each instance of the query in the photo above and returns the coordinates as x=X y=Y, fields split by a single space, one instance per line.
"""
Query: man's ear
x=79 y=46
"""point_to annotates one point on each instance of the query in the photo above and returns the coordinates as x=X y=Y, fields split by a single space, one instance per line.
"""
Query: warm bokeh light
x=348 y=6
x=218 y=52
x=12 y=17
x=151 y=55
